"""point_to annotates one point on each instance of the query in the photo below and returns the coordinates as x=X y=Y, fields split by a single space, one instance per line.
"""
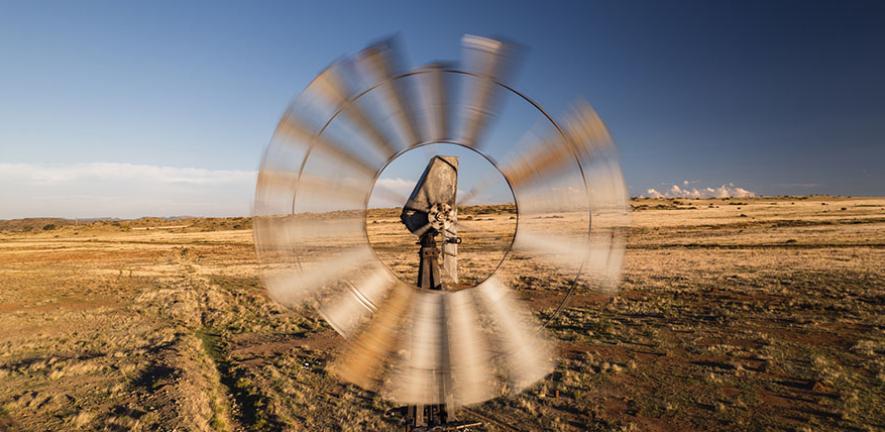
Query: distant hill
x=33 y=224
x=188 y=223
x=194 y=223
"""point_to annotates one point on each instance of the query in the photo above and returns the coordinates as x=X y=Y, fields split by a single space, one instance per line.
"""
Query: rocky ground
x=762 y=314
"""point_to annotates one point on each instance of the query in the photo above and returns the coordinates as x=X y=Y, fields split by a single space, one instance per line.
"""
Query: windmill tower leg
x=428 y=266
x=428 y=278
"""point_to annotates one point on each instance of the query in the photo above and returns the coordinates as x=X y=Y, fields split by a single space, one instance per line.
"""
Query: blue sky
x=774 y=97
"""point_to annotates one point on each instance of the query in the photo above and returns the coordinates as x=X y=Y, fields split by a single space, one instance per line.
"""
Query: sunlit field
x=734 y=314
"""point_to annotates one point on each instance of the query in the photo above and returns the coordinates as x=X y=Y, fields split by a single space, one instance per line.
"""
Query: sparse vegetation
x=767 y=322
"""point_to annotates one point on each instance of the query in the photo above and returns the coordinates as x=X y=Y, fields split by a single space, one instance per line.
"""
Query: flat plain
x=733 y=314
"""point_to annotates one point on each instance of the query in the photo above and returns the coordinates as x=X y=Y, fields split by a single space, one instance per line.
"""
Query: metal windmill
x=423 y=343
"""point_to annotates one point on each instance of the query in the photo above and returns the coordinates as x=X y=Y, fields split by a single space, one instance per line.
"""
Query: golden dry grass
x=758 y=314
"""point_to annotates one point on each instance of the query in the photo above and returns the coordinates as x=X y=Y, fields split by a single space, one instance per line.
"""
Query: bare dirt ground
x=741 y=314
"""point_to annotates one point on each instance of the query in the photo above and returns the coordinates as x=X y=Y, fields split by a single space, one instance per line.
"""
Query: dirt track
x=762 y=314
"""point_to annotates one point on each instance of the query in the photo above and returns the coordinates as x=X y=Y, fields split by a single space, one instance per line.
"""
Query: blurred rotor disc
x=312 y=200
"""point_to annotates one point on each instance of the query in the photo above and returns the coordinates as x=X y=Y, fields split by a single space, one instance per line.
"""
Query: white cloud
x=399 y=185
x=723 y=191
x=49 y=174
x=122 y=190
x=653 y=193
x=391 y=192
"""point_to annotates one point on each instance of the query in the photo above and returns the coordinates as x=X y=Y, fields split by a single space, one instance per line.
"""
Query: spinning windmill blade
x=434 y=343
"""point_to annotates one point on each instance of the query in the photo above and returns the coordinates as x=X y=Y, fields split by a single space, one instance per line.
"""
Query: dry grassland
x=761 y=314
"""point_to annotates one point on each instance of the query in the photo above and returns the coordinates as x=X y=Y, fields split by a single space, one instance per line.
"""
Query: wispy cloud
x=397 y=184
x=122 y=190
x=391 y=192
x=723 y=191
x=49 y=174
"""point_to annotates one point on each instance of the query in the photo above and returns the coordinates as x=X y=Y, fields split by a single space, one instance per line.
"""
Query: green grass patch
x=252 y=412
x=211 y=344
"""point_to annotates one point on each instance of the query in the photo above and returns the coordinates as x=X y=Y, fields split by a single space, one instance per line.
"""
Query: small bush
x=49 y=227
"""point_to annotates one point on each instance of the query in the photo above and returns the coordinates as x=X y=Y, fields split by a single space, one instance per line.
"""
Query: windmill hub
x=441 y=216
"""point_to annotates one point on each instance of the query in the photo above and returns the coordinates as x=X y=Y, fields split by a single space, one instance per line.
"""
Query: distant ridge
x=51 y=224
